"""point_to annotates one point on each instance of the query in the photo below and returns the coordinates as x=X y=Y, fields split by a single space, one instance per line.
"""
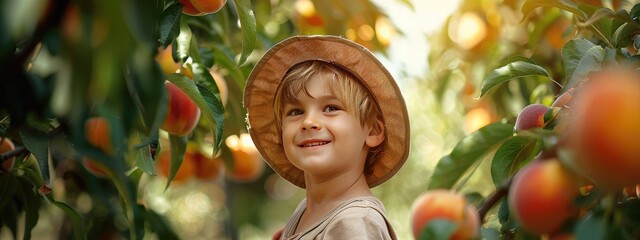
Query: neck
x=330 y=193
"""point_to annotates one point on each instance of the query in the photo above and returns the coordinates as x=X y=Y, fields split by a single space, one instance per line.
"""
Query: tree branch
x=15 y=152
x=494 y=198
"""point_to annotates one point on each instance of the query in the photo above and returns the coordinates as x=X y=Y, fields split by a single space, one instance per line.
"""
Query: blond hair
x=347 y=88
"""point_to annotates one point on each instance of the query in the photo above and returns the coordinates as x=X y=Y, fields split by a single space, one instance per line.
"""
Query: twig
x=15 y=152
x=494 y=198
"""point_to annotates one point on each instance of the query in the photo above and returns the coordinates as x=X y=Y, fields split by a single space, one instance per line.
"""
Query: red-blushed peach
x=6 y=145
x=531 y=116
x=603 y=127
x=541 y=196
x=182 y=113
x=446 y=205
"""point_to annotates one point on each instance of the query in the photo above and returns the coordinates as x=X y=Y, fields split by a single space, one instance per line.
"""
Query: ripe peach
x=6 y=145
x=531 y=116
x=97 y=134
x=201 y=7
x=541 y=196
x=603 y=128
x=184 y=173
x=165 y=60
x=446 y=205
x=247 y=163
x=205 y=167
x=182 y=113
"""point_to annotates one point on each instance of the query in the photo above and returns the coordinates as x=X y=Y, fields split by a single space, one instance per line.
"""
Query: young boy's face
x=318 y=134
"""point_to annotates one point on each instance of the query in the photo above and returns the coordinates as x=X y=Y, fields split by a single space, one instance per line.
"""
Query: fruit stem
x=494 y=198
x=15 y=152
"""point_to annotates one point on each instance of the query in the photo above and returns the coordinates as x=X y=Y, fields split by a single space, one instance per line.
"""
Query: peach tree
x=563 y=86
x=86 y=91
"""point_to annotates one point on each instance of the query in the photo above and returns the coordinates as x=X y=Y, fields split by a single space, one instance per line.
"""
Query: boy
x=327 y=116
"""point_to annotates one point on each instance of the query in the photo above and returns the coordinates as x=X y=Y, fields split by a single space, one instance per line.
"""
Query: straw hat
x=268 y=73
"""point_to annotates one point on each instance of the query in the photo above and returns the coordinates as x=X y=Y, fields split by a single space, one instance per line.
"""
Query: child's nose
x=310 y=122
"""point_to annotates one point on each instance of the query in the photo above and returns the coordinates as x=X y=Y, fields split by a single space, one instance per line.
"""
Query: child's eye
x=332 y=108
x=294 y=112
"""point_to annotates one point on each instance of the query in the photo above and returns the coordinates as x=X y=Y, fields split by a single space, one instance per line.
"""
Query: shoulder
x=359 y=219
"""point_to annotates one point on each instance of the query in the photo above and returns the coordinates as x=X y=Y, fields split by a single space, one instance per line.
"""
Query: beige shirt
x=357 y=218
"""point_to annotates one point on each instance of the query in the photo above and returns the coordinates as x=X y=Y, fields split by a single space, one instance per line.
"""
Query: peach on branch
x=182 y=113
x=206 y=167
x=6 y=145
x=541 y=196
x=531 y=116
x=603 y=128
x=445 y=205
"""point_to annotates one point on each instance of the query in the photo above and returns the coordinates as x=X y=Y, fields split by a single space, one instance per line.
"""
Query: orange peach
x=182 y=113
x=247 y=163
x=184 y=173
x=6 y=145
x=446 y=205
x=603 y=127
x=165 y=60
x=541 y=196
x=205 y=167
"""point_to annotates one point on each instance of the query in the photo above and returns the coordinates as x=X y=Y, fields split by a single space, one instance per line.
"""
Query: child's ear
x=376 y=135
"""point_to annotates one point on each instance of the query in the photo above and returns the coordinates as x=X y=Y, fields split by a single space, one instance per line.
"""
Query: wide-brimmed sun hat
x=268 y=73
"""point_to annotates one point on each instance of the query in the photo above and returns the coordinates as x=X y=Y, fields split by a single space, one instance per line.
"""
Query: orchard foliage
x=67 y=63
x=571 y=168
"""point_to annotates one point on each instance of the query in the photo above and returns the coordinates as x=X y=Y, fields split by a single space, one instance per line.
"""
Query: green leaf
x=511 y=155
x=208 y=103
x=183 y=41
x=580 y=58
x=37 y=143
x=170 y=24
x=9 y=187
x=591 y=227
x=77 y=222
x=467 y=152
x=160 y=226
x=177 y=149
x=567 y=5
x=31 y=207
x=144 y=161
x=511 y=71
x=248 y=25
x=438 y=229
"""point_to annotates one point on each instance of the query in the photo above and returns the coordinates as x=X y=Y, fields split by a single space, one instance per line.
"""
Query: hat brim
x=268 y=73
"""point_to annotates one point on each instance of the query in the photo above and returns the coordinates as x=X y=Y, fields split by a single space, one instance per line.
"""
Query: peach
x=247 y=163
x=541 y=196
x=603 y=129
x=182 y=113
x=201 y=7
x=6 y=145
x=446 y=205
x=184 y=173
x=531 y=116
x=98 y=135
x=165 y=60
x=205 y=167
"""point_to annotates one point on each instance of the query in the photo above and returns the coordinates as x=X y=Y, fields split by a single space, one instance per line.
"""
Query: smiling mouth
x=313 y=144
